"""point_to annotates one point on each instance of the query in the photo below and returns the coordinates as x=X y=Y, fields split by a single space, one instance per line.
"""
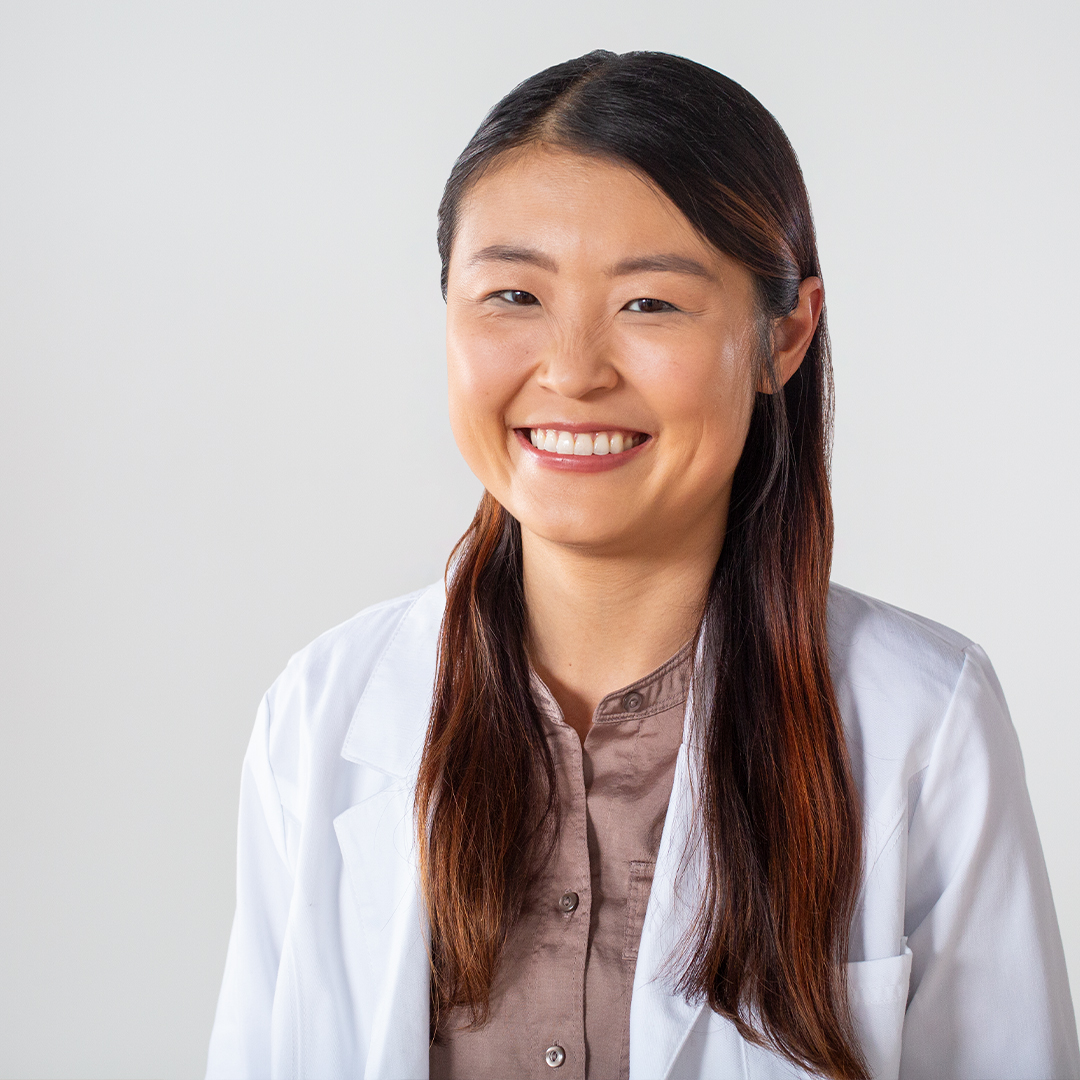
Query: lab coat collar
x=390 y=720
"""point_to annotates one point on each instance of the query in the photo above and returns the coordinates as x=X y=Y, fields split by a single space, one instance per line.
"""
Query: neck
x=597 y=623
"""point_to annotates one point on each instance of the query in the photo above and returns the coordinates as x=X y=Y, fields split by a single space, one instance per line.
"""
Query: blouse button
x=633 y=701
x=555 y=1056
x=568 y=902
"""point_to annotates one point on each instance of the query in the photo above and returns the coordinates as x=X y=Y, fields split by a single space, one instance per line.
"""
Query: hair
x=776 y=811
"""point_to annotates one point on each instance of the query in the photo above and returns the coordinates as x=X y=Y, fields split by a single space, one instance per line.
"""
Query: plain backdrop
x=222 y=405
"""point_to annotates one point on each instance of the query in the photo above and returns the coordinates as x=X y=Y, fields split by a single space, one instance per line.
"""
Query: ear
x=793 y=333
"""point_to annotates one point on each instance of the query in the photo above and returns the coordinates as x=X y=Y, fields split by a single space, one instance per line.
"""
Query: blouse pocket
x=877 y=991
x=637 y=900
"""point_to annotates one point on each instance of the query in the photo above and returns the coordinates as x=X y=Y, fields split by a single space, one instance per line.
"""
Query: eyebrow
x=672 y=264
x=665 y=263
x=506 y=253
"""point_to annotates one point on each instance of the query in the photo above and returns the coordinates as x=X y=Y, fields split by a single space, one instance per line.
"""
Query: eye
x=516 y=296
x=648 y=306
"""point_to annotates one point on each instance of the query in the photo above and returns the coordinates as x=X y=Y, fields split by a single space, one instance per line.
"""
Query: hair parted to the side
x=778 y=812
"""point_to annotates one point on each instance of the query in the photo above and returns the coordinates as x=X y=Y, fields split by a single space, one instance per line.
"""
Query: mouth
x=581 y=448
x=561 y=442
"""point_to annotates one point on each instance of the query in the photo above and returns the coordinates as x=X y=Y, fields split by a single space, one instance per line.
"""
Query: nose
x=575 y=365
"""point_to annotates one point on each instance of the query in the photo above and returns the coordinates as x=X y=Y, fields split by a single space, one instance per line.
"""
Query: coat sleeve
x=240 y=1041
x=989 y=994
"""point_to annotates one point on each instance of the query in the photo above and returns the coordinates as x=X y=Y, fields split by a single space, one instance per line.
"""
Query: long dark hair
x=777 y=810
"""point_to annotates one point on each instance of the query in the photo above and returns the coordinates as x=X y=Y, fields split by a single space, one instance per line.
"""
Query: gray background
x=222 y=406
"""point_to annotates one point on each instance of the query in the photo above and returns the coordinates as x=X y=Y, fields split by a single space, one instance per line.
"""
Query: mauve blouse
x=560 y=1003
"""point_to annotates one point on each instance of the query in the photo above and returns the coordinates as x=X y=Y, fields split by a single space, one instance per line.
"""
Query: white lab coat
x=957 y=966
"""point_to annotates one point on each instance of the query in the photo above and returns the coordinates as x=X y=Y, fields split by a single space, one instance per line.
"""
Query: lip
x=590 y=463
x=578 y=429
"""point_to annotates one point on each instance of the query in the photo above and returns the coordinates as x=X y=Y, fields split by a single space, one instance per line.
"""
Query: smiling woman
x=637 y=793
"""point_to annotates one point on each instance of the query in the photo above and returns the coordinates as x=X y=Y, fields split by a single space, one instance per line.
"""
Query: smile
x=583 y=443
x=577 y=448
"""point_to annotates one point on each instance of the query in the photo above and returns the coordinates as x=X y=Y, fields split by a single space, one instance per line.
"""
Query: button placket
x=561 y=1000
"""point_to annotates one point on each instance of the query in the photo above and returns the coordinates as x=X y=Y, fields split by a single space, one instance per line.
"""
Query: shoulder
x=342 y=659
x=899 y=676
x=872 y=639
x=384 y=658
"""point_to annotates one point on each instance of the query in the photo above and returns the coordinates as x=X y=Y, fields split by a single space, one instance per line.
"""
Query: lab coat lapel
x=378 y=843
x=379 y=855
x=661 y=1020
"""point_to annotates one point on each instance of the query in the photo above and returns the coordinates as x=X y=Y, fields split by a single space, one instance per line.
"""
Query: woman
x=639 y=794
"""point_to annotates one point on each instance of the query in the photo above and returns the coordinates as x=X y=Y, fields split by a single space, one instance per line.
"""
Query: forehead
x=574 y=204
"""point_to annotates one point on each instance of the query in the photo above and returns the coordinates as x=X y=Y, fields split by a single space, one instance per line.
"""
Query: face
x=601 y=356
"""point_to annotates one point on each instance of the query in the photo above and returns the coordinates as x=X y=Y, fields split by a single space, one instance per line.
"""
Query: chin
x=585 y=530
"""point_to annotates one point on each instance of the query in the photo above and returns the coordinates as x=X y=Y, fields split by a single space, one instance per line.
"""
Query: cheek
x=484 y=373
x=702 y=390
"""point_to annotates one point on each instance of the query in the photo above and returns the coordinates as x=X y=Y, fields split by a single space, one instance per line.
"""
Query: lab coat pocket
x=877 y=991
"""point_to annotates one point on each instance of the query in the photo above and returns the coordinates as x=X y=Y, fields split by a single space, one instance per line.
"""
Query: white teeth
x=582 y=444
